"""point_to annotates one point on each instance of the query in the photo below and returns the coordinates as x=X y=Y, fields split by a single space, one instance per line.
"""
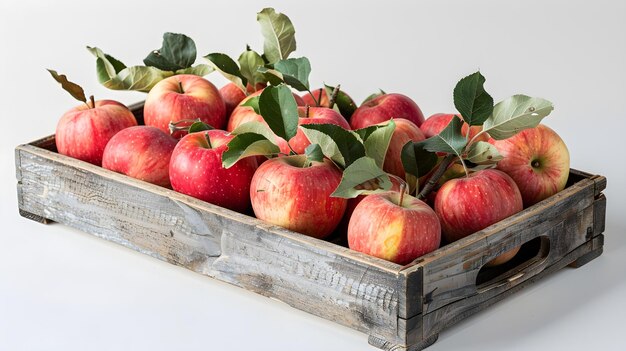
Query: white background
x=61 y=289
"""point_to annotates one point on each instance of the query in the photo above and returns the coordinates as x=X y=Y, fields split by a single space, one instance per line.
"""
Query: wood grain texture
x=312 y=275
x=399 y=307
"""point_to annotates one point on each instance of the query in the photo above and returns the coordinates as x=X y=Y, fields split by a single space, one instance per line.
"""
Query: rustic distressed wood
x=399 y=307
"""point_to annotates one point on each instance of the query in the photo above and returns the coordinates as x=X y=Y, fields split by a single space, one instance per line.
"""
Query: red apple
x=243 y=114
x=196 y=170
x=469 y=204
x=232 y=96
x=439 y=121
x=537 y=160
x=394 y=227
x=141 y=152
x=384 y=108
x=352 y=204
x=316 y=115
x=405 y=131
x=84 y=131
x=181 y=97
x=320 y=95
x=285 y=193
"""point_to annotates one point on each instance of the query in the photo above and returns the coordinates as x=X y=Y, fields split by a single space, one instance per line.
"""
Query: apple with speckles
x=394 y=226
x=538 y=161
x=285 y=191
x=314 y=115
x=468 y=204
x=196 y=170
x=141 y=152
x=182 y=97
x=385 y=107
x=434 y=124
x=84 y=131
x=405 y=131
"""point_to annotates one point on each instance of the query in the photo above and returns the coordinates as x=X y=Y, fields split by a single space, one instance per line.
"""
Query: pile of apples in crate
x=396 y=184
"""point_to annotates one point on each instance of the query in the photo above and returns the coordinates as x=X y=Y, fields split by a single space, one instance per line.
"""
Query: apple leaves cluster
x=176 y=56
x=476 y=108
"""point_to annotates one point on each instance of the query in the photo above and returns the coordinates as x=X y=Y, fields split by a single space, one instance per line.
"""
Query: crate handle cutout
x=531 y=255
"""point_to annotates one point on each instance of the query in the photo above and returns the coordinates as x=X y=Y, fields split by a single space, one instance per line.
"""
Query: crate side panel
x=452 y=276
x=247 y=254
x=445 y=317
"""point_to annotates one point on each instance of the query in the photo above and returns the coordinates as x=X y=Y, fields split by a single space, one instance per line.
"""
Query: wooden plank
x=599 y=215
x=449 y=315
x=309 y=274
x=450 y=272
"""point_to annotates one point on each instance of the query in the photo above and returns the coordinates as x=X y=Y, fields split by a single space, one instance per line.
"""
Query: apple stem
x=92 y=100
x=443 y=166
x=208 y=139
x=464 y=167
x=306 y=111
x=317 y=101
x=180 y=87
x=402 y=192
x=333 y=96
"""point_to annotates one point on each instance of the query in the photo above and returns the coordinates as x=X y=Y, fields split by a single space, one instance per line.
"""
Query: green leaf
x=109 y=67
x=343 y=102
x=314 y=152
x=278 y=33
x=360 y=171
x=377 y=142
x=178 y=51
x=279 y=109
x=249 y=63
x=228 y=68
x=271 y=75
x=197 y=70
x=416 y=160
x=246 y=145
x=74 y=89
x=450 y=140
x=254 y=103
x=295 y=72
x=373 y=96
x=483 y=153
x=138 y=78
x=471 y=100
x=341 y=146
x=255 y=127
x=515 y=114
x=199 y=126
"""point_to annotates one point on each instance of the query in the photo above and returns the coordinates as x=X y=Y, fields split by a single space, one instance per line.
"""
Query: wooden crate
x=399 y=307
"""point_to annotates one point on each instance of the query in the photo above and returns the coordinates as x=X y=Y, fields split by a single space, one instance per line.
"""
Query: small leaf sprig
x=476 y=108
x=176 y=56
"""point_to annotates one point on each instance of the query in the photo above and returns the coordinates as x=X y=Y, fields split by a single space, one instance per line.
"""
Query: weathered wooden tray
x=399 y=307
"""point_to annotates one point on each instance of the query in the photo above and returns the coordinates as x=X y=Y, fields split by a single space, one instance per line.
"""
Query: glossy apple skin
x=384 y=108
x=353 y=203
x=196 y=170
x=243 y=114
x=84 y=132
x=439 y=121
x=232 y=96
x=405 y=131
x=198 y=99
x=323 y=98
x=141 y=152
x=317 y=115
x=538 y=161
x=469 y=204
x=286 y=194
x=382 y=227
